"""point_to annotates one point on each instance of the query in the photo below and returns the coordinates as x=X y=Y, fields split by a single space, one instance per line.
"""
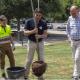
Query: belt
x=5 y=39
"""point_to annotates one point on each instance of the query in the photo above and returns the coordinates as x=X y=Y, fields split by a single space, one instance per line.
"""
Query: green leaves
x=22 y=8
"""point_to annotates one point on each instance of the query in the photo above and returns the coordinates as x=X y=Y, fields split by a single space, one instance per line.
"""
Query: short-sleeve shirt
x=30 y=25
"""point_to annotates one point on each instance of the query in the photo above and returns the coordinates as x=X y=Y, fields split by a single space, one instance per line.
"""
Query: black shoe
x=25 y=78
x=75 y=79
x=4 y=75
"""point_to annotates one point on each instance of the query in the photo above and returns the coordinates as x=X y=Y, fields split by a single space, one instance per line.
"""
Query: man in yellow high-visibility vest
x=5 y=44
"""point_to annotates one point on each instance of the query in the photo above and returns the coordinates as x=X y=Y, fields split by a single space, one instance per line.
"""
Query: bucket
x=16 y=72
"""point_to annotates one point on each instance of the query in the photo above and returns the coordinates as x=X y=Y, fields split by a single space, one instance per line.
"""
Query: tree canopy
x=54 y=9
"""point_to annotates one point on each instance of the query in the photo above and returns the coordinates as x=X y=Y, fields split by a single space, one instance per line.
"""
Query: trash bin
x=16 y=72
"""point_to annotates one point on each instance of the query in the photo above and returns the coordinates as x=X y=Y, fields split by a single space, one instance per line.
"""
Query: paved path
x=50 y=31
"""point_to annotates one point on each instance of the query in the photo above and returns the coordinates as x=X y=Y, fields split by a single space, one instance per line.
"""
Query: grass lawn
x=58 y=57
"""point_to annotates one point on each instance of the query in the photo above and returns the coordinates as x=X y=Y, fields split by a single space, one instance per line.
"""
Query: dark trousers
x=6 y=50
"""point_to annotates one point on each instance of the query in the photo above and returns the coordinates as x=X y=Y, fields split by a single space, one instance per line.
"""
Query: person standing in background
x=73 y=32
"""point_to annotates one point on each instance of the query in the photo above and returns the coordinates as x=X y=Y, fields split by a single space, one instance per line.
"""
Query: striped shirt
x=73 y=28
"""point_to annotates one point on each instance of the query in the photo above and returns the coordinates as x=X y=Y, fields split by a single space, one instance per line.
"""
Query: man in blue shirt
x=36 y=34
x=73 y=32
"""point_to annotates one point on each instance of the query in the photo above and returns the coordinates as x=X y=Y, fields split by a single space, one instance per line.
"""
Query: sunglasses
x=39 y=15
x=2 y=19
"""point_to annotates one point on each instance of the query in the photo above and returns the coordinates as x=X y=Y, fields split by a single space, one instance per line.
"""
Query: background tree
x=53 y=9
